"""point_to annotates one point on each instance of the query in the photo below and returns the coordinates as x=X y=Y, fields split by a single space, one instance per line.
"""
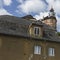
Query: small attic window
x=36 y=30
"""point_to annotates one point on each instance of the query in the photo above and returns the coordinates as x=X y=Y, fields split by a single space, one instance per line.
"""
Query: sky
x=36 y=8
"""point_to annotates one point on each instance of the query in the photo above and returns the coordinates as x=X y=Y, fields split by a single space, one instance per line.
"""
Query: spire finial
x=52 y=13
x=51 y=9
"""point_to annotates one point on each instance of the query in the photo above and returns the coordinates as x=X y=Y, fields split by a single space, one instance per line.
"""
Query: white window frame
x=51 y=52
x=37 y=49
x=36 y=30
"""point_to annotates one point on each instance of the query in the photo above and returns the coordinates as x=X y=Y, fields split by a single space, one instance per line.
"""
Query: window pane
x=36 y=30
x=37 y=50
x=51 y=52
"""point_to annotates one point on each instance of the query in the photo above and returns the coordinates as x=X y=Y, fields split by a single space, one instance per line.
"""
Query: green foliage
x=58 y=33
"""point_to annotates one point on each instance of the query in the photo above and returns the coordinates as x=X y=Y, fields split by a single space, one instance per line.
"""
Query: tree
x=58 y=33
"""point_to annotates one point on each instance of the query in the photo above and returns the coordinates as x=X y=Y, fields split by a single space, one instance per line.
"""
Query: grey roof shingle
x=18 y=26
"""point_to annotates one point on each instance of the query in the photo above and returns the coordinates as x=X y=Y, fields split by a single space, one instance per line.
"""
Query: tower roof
x=51 y=10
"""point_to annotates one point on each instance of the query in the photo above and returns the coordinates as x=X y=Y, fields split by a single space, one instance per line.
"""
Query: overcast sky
x=36 y=8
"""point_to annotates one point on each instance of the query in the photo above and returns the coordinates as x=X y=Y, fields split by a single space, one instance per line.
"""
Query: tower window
x=37 y=49
x=51 y=52
x=36 y=30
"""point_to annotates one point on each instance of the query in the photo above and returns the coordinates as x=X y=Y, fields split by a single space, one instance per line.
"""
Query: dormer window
x=36 y=30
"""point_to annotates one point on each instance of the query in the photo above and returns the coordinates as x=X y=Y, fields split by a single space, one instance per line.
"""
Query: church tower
x=51 y=19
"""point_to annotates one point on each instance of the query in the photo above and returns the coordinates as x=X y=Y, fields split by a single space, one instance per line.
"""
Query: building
x=28 y=39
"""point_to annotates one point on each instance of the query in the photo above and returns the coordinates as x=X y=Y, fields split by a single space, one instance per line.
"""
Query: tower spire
x=52 y=13
x=51 y=19
x=51 y=9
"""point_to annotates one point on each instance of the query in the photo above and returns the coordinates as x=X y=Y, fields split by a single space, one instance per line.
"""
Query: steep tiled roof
x=17 y=26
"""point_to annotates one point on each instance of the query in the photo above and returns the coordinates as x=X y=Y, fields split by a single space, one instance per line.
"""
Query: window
x=36 y=30
x=51 y=52
x=37 y=49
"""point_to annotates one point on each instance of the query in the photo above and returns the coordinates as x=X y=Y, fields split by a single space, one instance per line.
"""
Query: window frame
x=36 y=30
x=37 y=49
x=51 y=51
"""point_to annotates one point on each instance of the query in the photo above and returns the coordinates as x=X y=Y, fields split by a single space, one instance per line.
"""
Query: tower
x=51 y=19
x=51 y=12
